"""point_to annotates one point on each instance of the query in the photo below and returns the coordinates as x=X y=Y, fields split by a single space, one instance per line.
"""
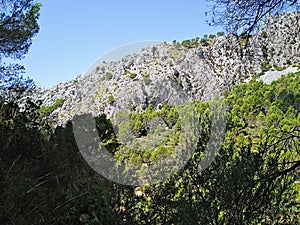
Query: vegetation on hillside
x=206 y=40
x=18 y=25
x=48 y=109
x=44 y=179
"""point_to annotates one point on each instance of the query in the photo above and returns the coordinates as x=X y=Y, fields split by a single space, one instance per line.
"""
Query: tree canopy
x=18 y=25
x=246 y=16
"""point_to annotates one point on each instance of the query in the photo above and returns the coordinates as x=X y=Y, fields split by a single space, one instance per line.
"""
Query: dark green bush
x=265 y=66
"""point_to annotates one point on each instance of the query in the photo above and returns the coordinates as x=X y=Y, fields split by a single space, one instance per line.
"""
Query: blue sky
x=74 y=34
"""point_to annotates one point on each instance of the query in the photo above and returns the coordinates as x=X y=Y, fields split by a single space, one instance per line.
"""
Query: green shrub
x=220 y=33
x=186 y=43
x=264 y=34
x=111 y=99
x=108 y=75
x=259 y=152
x=211 y=36
x=277 y=68
x=204 y=41
x=191 y=43
x=132 y=75
x=288 y=62
x=176 y=44
x=265 y=66
x=49 y=109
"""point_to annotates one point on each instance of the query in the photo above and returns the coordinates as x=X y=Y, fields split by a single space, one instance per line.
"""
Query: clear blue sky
x=75 y=33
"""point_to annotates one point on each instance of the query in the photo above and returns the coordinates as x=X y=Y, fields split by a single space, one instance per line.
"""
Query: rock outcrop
x=173 y=74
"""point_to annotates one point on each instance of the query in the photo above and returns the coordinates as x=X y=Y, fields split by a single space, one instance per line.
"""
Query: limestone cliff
x=175 y=73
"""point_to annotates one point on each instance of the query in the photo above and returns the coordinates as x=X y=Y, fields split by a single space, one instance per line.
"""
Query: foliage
x=204 y=41
x=211 y=36
x=18 y=25
x=260 y=153
x=246 y=16
x=195 y=42
x=220 y=33
x=11 y=77
x=176 y=44
x=107 y=76
x=251 y=181
x=265 y=66
x=146 y=127
x=132 y=75
x=111 y=99
x=191 y=43
x=44 y=180
x=278 y=68
x=147 y=75
x=264 y=34
x=44 y=110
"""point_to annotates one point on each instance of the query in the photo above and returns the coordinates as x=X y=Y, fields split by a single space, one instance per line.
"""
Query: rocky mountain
x=175 y=73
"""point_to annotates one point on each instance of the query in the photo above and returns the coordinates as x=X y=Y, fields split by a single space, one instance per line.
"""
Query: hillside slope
x=175 y=73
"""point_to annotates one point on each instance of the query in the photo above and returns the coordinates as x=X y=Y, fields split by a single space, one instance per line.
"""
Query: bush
x=288 y=62
x=220 y=33
x=49 y=109
x=211 y=36
x=44 y=177
x=204 y=41
x=133 y=75
x=111 y=99
x=277 y=68
x=108 y=75
x=264 y=34
x=265 y=66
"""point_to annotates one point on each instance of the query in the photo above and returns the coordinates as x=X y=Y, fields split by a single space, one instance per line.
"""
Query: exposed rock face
x=166 y=73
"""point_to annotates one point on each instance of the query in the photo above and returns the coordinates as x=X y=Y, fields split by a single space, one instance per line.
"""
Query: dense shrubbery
x=48 y=109
x=44 y=179
x=251 y=180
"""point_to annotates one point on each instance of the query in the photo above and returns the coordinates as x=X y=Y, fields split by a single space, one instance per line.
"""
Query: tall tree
x=246 y=16
x=18 y=25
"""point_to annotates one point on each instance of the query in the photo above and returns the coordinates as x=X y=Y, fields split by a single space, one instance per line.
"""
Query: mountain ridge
x=176 y=73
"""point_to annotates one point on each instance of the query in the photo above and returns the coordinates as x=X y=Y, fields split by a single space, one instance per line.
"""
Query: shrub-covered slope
x=44 y=179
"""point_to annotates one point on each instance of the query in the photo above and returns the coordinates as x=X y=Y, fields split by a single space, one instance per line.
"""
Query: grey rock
x=165 y=73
